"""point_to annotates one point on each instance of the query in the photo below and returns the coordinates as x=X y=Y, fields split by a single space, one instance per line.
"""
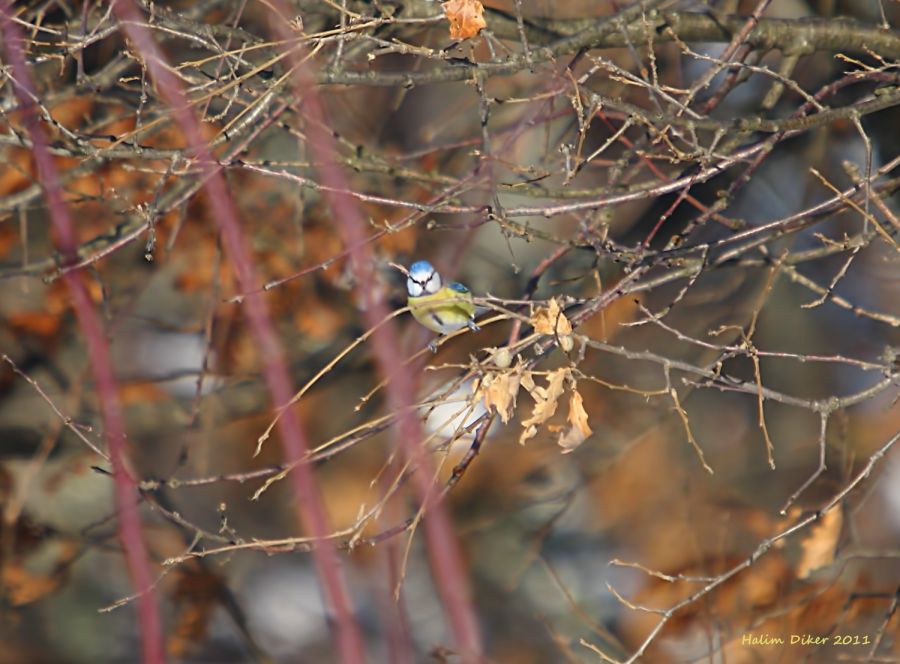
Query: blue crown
x=420 y=267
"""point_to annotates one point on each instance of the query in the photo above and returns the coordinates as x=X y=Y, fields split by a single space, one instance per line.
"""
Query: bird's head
x=422 y=279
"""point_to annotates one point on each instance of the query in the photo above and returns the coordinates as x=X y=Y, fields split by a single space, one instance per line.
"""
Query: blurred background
x=708 y=190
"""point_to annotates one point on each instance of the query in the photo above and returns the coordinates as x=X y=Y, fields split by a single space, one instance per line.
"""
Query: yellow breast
x=443 y=312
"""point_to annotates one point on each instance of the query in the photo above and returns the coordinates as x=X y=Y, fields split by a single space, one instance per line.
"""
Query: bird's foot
x=433 y=346
x=473 y=326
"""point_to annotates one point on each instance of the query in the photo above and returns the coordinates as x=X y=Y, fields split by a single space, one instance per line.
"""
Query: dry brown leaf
x=8 y=239
x=545 y=400
x=578 y=430
x=41 y=571
x=141 y=393
x=23 y=587
x=819 y=547
x=551 y=320
x=500 y=391
x=527 y=433
x=73 y=112
x=466 y=18
x=528 y=381
x=35 y=323
x=17 y=175
x=320 y=320
x=609 y=322
x=196 y=597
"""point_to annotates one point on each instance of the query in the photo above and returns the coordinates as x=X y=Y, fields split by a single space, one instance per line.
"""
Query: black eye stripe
x=422 y=283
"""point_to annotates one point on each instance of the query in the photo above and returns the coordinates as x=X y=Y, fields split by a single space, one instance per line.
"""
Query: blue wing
x=458 y=287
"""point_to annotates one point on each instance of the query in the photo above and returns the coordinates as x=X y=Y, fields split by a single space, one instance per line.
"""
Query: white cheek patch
x=433 y=285
x=423 y=283
x=414 y=288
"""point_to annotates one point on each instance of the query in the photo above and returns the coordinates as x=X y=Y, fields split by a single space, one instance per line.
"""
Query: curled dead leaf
x=551 y=320
x=820 y=546
x=578 y=430
x=466 y=18
x=500 y=391
x=545 y=400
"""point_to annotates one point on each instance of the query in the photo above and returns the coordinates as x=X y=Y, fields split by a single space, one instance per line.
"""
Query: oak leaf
x=466 y=18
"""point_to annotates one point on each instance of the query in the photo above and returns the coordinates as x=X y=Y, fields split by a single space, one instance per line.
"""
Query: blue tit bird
x=442 y=309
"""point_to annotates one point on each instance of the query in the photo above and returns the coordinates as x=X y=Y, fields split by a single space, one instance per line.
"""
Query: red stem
x=445 y=557
x=310 y=507
x=129 y=523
